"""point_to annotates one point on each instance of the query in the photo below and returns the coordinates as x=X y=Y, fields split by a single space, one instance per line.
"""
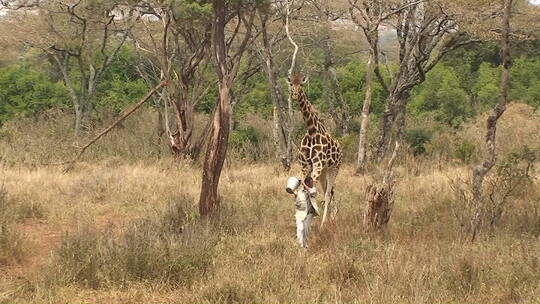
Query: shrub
x=26 y=91
x=167 y=247
x=510 y=178
x=417 y=139
x=466 y=152
x=245 y=142
x=12 y=244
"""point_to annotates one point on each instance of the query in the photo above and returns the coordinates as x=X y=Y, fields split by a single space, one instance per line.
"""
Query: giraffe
x=319 y=154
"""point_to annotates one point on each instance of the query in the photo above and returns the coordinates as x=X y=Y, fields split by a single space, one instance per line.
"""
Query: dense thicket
x=459 y=88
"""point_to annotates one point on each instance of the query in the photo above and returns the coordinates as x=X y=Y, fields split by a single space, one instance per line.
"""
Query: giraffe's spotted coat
x=319 y=154
x=318 y=150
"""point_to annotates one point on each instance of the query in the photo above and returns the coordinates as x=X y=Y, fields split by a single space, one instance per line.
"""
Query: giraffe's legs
x=330 y=178
x=317 y=171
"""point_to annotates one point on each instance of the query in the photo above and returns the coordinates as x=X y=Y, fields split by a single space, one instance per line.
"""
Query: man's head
x=296 y=83
x=308 y=181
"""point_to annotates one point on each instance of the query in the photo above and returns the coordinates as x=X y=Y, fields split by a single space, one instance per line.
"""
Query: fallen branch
x=125 y=114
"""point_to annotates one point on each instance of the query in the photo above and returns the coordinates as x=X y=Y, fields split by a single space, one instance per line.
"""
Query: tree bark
x=380 y=198
x=216 y=152
x=396 y=102
x=226 y=69
x=366 y=108
x=490 y=157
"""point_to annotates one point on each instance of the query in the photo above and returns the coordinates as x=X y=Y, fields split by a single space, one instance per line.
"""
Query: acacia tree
x=490 y=157
x=425 y=34
x=173 y=46
x=369 y=15
x=227 y=52
x=83 y=38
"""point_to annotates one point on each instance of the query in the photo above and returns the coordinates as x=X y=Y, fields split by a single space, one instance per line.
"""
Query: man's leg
x=300 y=231
x=307 y=228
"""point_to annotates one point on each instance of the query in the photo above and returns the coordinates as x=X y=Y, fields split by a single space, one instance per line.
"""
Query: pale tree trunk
x=63 y=65
x=396 y=103
x=290 y=73
x=366 y=109
x=490 y=157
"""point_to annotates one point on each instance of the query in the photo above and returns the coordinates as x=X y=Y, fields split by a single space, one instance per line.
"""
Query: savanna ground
x=123 y=226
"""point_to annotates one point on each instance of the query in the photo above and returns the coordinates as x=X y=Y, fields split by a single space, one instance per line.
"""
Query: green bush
x=352 y=78
x=245 y=142
x=525 y=84
x=417 y=140
x=25 y=90
x=443 y=95
x=466 y=152
x=486 y=89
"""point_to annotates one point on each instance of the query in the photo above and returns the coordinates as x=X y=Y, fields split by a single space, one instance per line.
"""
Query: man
x=306 y=207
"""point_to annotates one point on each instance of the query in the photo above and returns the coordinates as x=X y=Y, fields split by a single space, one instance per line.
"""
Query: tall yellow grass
x=123 y=228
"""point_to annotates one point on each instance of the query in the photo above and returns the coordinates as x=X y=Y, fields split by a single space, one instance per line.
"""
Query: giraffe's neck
x=309 y=114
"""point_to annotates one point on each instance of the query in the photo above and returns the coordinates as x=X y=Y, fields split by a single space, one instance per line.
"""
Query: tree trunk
x=490 y=157
x=226 y=69
x=78 y=119
x=215 y=154
x=181 y=140
x=396 y=101
x=366 y=108
x=380 y=197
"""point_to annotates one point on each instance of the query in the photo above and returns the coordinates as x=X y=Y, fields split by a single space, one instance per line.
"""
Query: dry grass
x=126 y=241
x=123 y=227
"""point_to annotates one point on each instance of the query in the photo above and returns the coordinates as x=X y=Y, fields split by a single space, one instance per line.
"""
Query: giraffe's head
x=296 y=83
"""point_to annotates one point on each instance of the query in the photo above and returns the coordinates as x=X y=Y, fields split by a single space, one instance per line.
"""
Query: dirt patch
x=42 y=240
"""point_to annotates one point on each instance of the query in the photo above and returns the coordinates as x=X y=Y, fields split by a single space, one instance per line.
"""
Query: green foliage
x=518 y=164
x=442 y=94
x=466 y=152
x=122 y=92
x=121 y=84
x=417 y=140
x=25 y=91
x=192 y=10
x=466 y=61
x=258 y=99
x=352 y=80
x=487 y=86
x=242 y=135
x=244 y=142
x=525 y=81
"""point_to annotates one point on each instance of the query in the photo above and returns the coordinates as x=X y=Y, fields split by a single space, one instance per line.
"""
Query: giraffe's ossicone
x=319 y=154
